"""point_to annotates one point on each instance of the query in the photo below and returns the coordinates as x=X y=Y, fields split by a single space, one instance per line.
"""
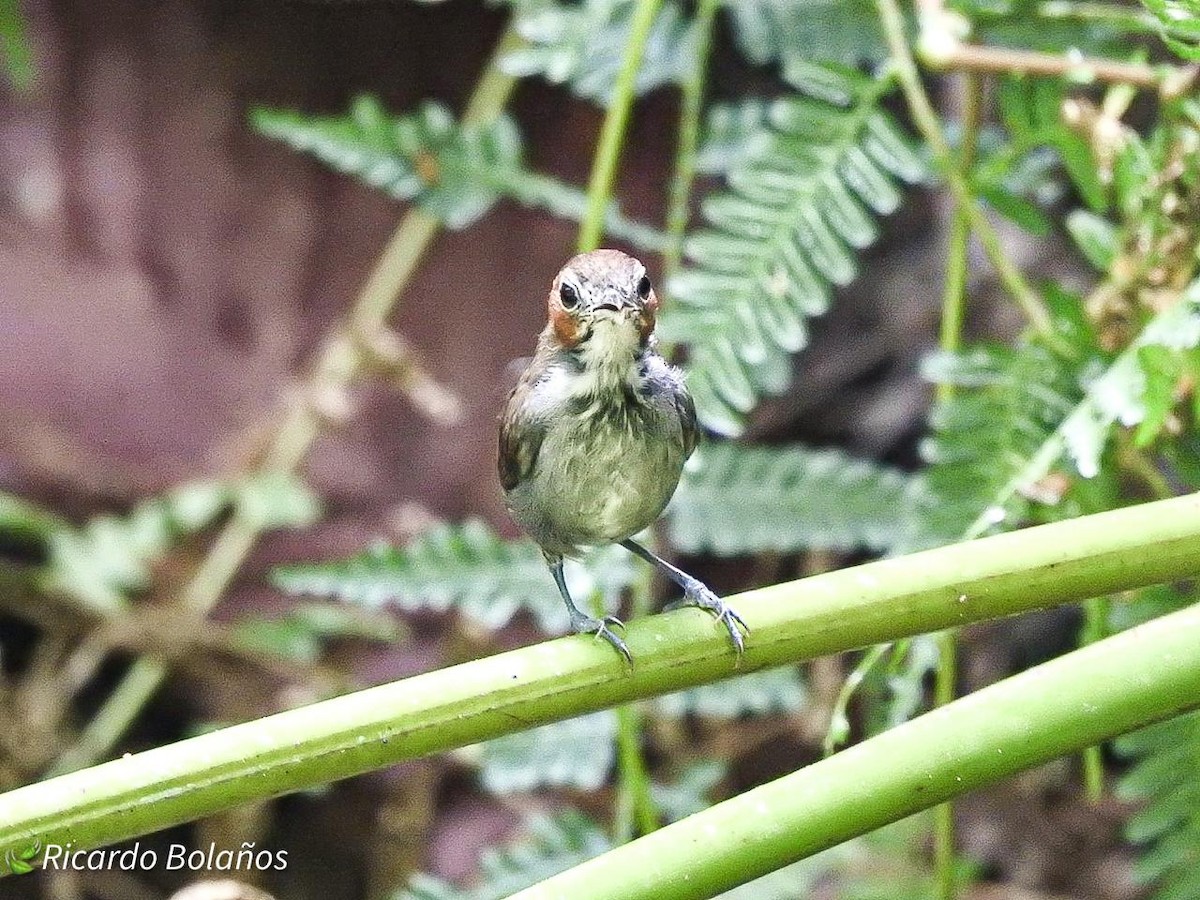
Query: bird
x=594 y=436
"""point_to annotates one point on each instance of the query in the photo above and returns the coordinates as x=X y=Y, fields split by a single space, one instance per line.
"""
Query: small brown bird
x=594 y=436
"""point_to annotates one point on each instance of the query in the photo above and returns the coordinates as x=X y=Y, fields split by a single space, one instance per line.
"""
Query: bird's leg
x=695 y=593
x=581 y=622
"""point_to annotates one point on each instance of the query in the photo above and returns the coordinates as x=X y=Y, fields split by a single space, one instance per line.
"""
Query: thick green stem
x=1141 y=676
x=689 y=138
x=1035 y=568
x=612 y=134
x=339 y=362
x=926 y=119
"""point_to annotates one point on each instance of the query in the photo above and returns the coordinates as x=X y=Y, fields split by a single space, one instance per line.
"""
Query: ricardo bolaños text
x=61 y=857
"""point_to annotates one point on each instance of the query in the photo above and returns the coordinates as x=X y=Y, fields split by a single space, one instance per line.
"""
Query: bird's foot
x=697 y=593
x=583 y=624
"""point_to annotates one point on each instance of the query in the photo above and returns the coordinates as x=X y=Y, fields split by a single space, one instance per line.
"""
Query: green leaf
x=1016 y=209
x=549 y=845
x=758 y=694
x=274 y=500
x=575 y=753
x=583 y=45
x=111 y=556
x=455 y=172
x=301 y=633
x=1164 y=776
x=15 y=49
x=1178 y=25
x=797 y=33
x=1095 y=236
x=741 y=500
x=733 y=132
x=27 y=523
x=798 y=208
x=465 y=567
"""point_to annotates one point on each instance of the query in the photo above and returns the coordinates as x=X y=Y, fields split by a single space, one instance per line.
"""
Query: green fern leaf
x=732 y=132
x=798 y=33
x=739 y=500
x=1164 y=776
x=466 y=567
x=550 y=844
x=788 y=229
x=583 y=45
x=111 y=556
x=576 y=753
x=764 y=693
x=453 y=171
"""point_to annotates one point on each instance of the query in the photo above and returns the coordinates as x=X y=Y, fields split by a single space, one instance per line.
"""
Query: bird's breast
x=608 y=465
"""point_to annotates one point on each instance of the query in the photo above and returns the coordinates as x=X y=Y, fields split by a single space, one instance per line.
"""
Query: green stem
x=612 y=134
x=926 y=119
x=1090 y=695
x=635 y=807
x=339 y=362
x=1035 y=568
x=689 y=138
x=954 y=301
x=1095 y=627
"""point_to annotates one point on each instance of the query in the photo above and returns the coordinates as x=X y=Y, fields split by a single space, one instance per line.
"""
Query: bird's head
x=602 y=302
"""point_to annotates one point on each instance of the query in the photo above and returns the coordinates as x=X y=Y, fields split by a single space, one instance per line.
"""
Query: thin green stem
x=636 y=811
x=635 y=807
x=1090 y=695
x=689 y=138
x=954 y=301
x=1095 y=628
x=1034 y=568
x=927 y=121
x=612 y=134
x=339 y=362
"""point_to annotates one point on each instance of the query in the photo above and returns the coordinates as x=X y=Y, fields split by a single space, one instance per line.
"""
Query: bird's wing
x=521 y=435
x=687 y=419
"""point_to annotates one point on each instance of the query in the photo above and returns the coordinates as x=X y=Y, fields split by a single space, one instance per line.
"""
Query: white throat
x=609 y=355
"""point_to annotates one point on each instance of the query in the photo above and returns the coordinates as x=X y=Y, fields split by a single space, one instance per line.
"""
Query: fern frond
x=757 y=694
x=1164 y=776
x=455 y=172
x=582 y=45
x=111 y=556
x=797 y=211
x=550 y=844
x=732 y=132
x=797 y=33
x=575 y=753
x=466 y=567
x=739 y=499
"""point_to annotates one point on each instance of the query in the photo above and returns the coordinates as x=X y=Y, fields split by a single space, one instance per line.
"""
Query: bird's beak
x=616 y=304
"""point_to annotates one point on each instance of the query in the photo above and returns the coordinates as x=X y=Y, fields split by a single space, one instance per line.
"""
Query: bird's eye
x=644 y=287
x=569 y=296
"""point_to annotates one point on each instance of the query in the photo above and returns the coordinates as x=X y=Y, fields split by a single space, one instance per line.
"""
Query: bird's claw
x=700 y=596
x=582 y=624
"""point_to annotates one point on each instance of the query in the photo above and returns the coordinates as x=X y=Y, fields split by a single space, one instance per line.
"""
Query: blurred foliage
x=465 y=567
x=15 y=50
x=806 y=168
x=788 y=499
